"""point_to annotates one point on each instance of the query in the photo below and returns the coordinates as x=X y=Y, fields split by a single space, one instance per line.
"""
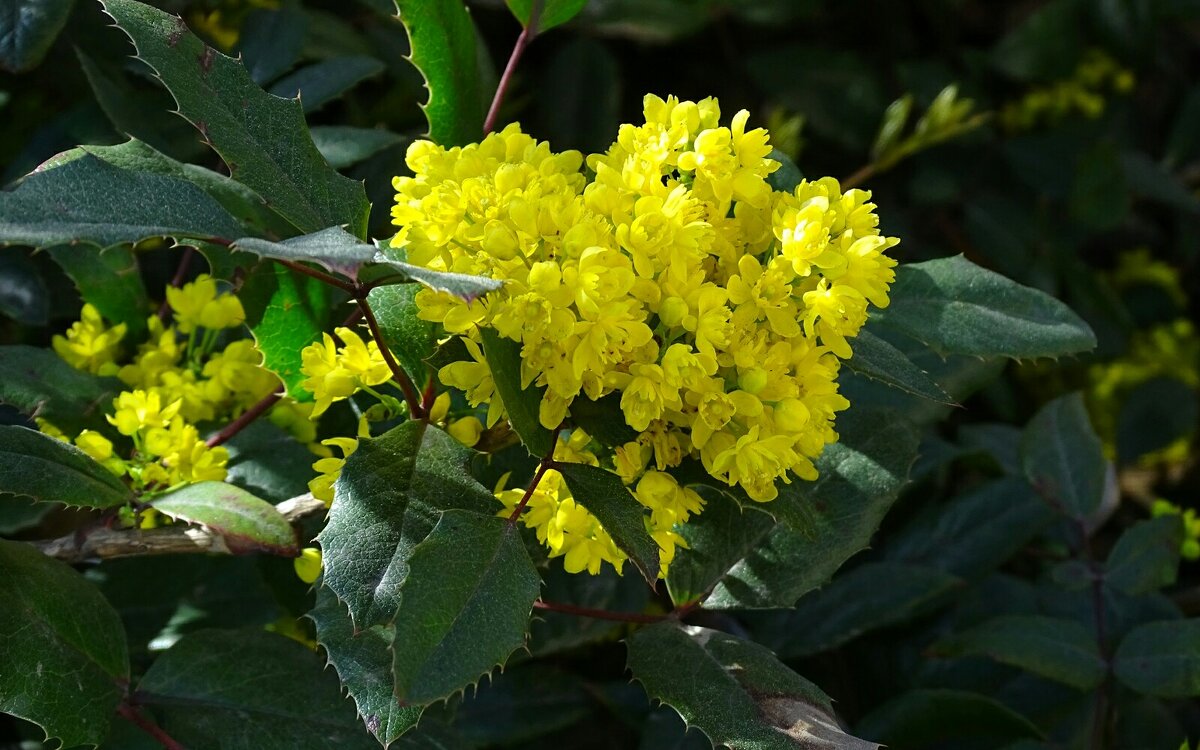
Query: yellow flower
x=466 y=430
x=100 y=449
x=138 y=410
x=330 y=467
x=90 y=345
x=308 y=565
x=335 y=374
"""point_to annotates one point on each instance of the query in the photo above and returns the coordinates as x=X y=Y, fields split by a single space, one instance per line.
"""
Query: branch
x=108 y=544
x=398 y=374
x=248 y=416
x=547 y=462
x=147 y=725
x=527 y=35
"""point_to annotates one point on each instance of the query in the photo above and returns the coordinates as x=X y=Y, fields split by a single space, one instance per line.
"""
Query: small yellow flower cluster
x=177 y=379
x=1082 y=93
x=670 y=273
x=1190 y=549
x=329 y=468
x=338 y=373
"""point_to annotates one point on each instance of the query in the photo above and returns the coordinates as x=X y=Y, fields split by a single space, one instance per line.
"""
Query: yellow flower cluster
x=669 y=272
x=1082 y=93
x=177 y=379
x=1190 y=549
x=338 y=373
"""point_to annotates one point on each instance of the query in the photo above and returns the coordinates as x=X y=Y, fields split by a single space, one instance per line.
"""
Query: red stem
x=398 y=374
x=164 y=310
x=248 y=416
x=597 y=614
x=546 y=463
x=321 y=276
x=527 y=35
x=144 y=723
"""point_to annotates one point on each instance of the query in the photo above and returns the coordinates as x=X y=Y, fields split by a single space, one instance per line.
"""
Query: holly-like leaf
x=932 y=718
x=64 y=648
x=734 y=691
x=555 y=632
x=411 y=339
x=603 y=419
x=344 y=146
x=522 y=404
x=880 y=361
x=262 y=138
x=1060 y=650
x=603 y=494
x=271 y=41
x=245 y=522
x=1063 y=458
x=320 y=83
x=1161 y=659
x=49 y=207
x=442 y=39
x=522 y=704
x=110 y=280
x=27 y=29
x=391 y=492
x=827 y=521
x=551 y=13
x=716 y=539
x=956 y=307
x=249 y=690
x=871 y=596
x=465 y=606
x=48 y=470
x=286 y=312
x=1146 y=557
x=37 y=382
x=363 y=661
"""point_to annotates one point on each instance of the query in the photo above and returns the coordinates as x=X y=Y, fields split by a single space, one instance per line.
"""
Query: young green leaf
x=442 y=38
x=391 y=492
x=603 y=494
x=121 y=206
x=262 y=138
x=1057 y=649
x=956 y=307
x=48 y=470
x=38 y=382
x=245 y=522
x=734 y=691
x=880 y=361
x=249 y=689
x=830 y=519
x=1063 y=458
x=363 y=661
x=522 y=404
x=64 y=648
x=550 y=13
x=465 y=606
x=286 y=312
x=27 y=29
x=1161 y=659
x=1146 y=557
x=895 y=118
x=869 y=597
x=411 y=339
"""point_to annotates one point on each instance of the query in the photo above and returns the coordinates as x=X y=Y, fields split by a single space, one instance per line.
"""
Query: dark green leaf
x=64 y=648
x=602 y=493
x=1155 y=414
x=1063 y=458
x=578 y=105
x=411 y=339
x=268 y=462
x=250 y=690
x=245 y=522
x=320 y=83
x=27 y=29
x=956 y=307
x=442 y=39
x=48 y=470
x=717 y=539
x=110 y=280
x=860 y=477
x=872 y=596
x=390 y=495
x=120 y=206
x=1149 y=179
x=603 y=419
x=286 y=312
x=1146 y=557
x=522 y=704
x=735 y=691
x=38 y=382
x=344 y=146
x=1099 y=199
x=788 y=176
x=551 y=13
x=465 y=606
x=522 y=404
x=19 y=513
x=263 y=139
x=363 y=661
x=1045 y=46
x=976 y=532
x=23 y=292
x=271 y=42
x=1060 y=650
x=878 y=360
x=932 y=718
x=555 y=632
x=1161 y=659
